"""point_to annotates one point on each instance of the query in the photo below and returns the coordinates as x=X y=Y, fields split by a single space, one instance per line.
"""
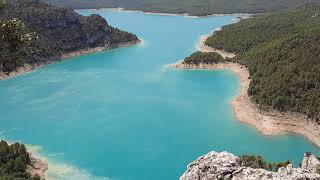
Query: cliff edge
x=226 y=166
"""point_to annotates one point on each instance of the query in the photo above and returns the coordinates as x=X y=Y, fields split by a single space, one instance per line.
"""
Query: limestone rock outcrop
x=310 y=162
x=226 y=166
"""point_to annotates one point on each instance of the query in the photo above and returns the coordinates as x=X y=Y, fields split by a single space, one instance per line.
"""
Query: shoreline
x=204 y=48
x=120 y=9
x=30 y=67
x=268 y=123
x=37 y=166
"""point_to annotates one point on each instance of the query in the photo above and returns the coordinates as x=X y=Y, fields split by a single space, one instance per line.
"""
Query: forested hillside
x=34 y=32
x=204 y=57
x=13 y=162
x=192 y=7
x=282 y=53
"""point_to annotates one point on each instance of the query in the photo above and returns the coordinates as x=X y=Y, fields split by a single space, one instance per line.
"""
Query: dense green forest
x=56 y=31
x=204 y=57
x=13 y=162
x=192 y=7
x=282 y=53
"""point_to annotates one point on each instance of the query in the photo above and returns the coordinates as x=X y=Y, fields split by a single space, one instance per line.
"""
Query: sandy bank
x=120 y=9
x=29 y=67
x=268 y=123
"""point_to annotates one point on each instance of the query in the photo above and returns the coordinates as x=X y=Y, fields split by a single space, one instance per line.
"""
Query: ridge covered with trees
x=192 y=7
x=204 y=58
x=14 y=159
x=42 y=33
x=282 y=54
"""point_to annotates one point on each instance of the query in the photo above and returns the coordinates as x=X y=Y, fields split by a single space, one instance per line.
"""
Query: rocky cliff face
x=62 y=31
x=226 y=166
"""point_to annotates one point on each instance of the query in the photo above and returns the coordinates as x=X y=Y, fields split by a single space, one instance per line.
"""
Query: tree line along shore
x=191 y=7
x=281 y=52
x=16 y=163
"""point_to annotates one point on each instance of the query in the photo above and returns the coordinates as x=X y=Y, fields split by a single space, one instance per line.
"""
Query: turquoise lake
x=121 y=115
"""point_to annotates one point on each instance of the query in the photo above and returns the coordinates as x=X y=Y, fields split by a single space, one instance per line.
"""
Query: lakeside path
x=29 y=67
x=246 y=111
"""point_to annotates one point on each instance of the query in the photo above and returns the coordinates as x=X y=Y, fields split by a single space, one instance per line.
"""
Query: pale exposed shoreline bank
x=204 y=48
x=119 y=9
x=37 y=166
x=29 y=67
x=245 y=110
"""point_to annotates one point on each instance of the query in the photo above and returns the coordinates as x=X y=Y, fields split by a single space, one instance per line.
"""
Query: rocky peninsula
x=245 y=110
x=224 y=165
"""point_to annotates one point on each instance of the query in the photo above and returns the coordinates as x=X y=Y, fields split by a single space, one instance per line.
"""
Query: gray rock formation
x=226 y=166
x=310 y=162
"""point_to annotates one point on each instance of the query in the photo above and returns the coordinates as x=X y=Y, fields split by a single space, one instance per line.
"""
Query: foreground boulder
x=226 y=166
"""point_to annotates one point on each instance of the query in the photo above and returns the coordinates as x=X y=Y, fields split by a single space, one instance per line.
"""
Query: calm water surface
x=121 y=115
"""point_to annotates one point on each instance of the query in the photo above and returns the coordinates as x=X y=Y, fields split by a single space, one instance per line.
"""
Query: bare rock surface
x=226 y=166
x=310 y=162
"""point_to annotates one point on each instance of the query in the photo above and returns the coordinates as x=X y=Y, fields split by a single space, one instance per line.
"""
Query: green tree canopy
x=13 y=42
x=204 y=57
x=14 y=159
x=282 y=53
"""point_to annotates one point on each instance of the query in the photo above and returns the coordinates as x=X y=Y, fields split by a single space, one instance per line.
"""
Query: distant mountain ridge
x=192 y=7
x=62 y=32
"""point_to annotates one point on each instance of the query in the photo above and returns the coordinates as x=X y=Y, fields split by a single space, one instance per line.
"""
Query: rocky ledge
x=226 y=166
